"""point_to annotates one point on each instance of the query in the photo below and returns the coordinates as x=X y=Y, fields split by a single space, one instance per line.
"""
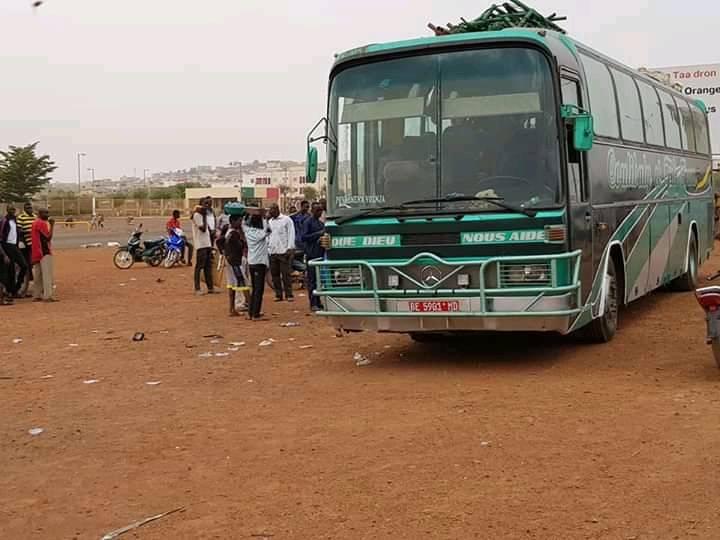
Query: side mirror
x=311 y=161
x=311 y=164
x=583 y=130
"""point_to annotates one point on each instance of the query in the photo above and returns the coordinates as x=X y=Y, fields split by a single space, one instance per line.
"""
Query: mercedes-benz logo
x=431 y=275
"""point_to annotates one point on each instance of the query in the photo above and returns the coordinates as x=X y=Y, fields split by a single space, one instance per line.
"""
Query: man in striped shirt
x=25 y=221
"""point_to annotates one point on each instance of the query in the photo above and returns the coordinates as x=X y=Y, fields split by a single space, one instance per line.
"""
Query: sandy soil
x=497 y=437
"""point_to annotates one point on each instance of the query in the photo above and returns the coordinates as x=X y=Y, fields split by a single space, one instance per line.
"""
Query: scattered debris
x=73 y=345
x=113 y=244
x=153 y=383
x=290 y=325
x=35 y=431
x=123 y=284
x=205 y=355
x=109 y=338
x=266 y=343
x=138 y=336
x=291 y=339
x=160 y=280
x=91 y=381
x=386 y=347
x=303 y=347
x=237 y=343
x=112 y=535
x=485 y=443
x=164 y=332
x=222 y=354
x=214 y=341
x=250 y=381
x=216 y=336
x=133 y=279
x=233 y=349
x=93 y=245
x=17 y=341
x=94 y=331
x=361 y=360
x=47 y=376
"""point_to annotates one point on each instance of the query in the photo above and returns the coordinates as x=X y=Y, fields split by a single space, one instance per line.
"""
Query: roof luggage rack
x=512 y=14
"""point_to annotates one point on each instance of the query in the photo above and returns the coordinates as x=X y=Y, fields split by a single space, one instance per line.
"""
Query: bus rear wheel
x=689 y=280
x=604 y=328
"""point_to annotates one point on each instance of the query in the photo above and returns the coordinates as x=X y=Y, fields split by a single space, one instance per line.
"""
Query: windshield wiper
x=366 y=212
x=497 y=201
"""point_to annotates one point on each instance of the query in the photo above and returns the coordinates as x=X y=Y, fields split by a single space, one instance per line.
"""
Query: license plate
x=434 y=306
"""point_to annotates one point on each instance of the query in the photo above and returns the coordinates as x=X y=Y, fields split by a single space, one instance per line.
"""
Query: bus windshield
x=468 y=123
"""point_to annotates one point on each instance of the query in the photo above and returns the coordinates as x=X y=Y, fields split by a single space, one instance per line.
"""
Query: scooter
x=174 y=248
x=151 y=252
x=709 y=300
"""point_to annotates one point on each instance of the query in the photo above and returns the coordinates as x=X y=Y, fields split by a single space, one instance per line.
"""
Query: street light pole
x=79 y=155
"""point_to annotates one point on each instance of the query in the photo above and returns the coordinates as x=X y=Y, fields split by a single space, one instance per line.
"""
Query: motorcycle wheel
x=123 y=259
x=155 y=259
x=171 y=258
x=716 y=351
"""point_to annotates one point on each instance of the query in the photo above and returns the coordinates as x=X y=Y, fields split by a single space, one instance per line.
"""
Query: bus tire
x=689 y=280
x=604 y=328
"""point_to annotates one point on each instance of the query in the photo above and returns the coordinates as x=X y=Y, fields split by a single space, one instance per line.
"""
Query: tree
x=310 y=193
x=23 y=173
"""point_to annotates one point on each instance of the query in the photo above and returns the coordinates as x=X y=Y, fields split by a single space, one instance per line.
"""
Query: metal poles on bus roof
x=511 y=14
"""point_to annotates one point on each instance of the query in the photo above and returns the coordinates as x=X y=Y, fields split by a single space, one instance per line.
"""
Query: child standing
x=235 y=250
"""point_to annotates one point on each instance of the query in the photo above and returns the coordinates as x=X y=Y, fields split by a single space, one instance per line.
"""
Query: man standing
x=25 y=220
x=42 y=233
x=203 y=248
x=299 y=219
x=313 y=230
x=11 y=236
x=282 y=251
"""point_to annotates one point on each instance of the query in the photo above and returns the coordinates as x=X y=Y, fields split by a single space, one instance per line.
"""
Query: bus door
x=579 y=211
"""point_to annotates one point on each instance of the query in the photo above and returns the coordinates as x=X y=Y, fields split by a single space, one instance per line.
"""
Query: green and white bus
x=511 y=180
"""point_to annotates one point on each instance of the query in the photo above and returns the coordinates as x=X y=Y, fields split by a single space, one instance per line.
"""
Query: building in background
x=700 y=82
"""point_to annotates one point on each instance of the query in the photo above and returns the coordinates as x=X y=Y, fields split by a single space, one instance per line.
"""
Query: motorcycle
x=709 y=300
x=174 y=248
x=151 y=252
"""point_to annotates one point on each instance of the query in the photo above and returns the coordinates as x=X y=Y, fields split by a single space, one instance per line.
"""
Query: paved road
x=115 y=231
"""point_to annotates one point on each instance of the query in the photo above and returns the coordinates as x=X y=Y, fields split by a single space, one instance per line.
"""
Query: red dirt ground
x=499 y=437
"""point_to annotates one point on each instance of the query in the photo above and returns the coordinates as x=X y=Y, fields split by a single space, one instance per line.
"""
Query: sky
x=170 y=84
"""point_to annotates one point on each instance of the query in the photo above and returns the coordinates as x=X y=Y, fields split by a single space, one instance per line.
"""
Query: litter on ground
x=91 y=381
x=35 y=431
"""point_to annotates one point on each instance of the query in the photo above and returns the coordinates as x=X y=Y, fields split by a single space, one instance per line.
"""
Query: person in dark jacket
x=313 y=230
x=11 y=238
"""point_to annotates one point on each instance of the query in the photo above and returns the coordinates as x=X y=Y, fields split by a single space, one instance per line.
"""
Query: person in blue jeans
x=313 y=230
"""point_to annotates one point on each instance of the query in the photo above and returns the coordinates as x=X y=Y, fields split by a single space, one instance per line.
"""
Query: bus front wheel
x=603 y=329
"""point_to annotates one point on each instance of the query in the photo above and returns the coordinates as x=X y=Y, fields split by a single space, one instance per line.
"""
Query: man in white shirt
x=11 y=236
x=282 y=250
x=202 y=239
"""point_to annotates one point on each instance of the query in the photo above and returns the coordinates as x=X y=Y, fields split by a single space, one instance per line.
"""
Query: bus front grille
x=432 y=239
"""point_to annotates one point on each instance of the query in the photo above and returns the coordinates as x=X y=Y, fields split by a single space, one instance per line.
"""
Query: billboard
x=701 y=82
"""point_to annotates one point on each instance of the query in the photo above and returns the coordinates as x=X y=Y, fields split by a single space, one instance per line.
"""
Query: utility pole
x=79 y=155
x=147 y=186
x=92 y=172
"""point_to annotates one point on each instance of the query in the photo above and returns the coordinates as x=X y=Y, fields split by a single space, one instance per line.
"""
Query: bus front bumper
x=490 y=302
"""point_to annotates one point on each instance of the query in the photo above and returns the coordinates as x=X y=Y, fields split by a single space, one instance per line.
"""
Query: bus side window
x=571 y=96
